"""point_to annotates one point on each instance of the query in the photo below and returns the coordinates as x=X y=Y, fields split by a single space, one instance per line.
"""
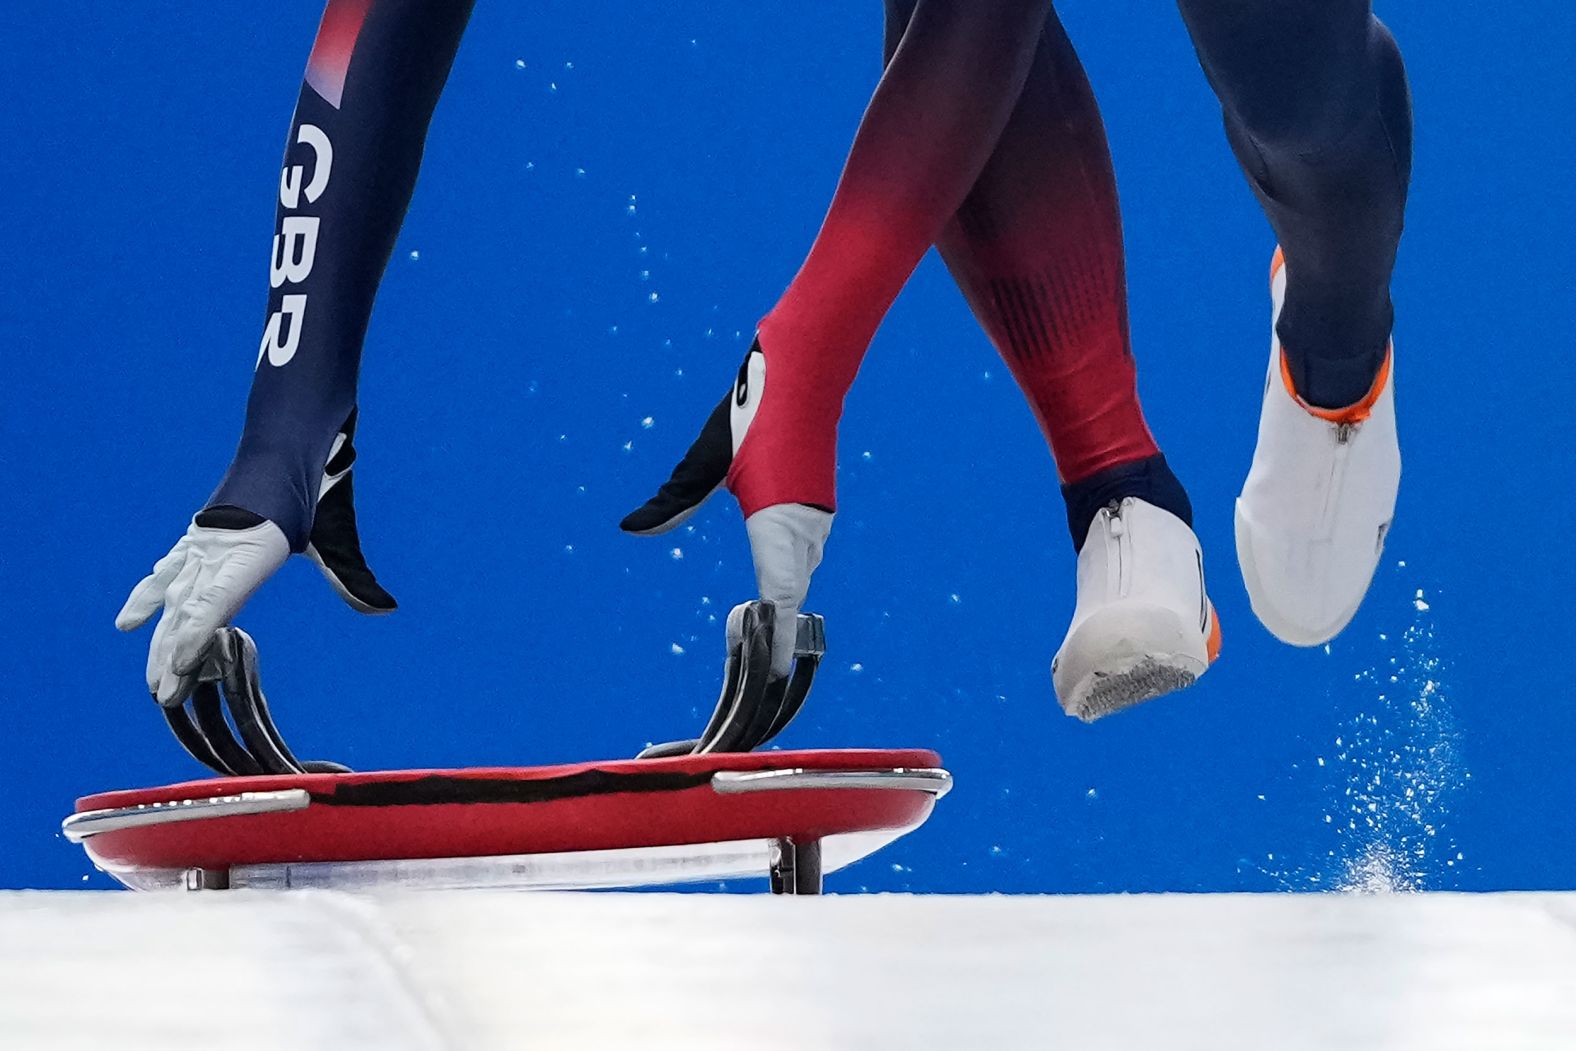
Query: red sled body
x=628 y=822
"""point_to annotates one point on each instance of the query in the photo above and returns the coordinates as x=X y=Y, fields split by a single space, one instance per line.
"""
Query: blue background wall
x=522 y=390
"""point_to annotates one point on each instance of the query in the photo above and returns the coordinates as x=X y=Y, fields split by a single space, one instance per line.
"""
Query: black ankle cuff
x=1149 y=479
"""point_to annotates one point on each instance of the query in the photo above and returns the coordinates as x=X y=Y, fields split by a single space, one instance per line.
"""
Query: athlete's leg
x=926 y=135
x=1318 y=113
x=1036 y=248
x=355 y=146
x=1317 y=110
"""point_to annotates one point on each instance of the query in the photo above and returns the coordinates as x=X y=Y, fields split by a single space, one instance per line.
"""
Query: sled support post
x=796 y=866
x=206 y=879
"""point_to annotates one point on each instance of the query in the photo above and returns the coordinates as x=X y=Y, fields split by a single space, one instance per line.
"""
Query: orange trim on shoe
x=1355 y=413
x=1212 y=647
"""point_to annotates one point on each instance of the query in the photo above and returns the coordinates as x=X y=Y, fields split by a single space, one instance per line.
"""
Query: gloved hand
x=225 y=556
x=786 y=540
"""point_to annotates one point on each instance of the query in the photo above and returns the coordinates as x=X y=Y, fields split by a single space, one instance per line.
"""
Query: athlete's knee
x=898 y=14
x=995 y=20
x=1294 y=75
x=1270 y=13
x=900 y=11
x=980 y=7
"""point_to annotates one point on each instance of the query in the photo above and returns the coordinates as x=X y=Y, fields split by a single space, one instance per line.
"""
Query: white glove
x=203 y=582
x=786 y=541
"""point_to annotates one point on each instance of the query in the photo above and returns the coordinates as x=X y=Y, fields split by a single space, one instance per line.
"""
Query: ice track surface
x=480 y=970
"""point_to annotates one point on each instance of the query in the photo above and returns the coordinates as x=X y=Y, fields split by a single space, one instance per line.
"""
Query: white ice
x=485 y=969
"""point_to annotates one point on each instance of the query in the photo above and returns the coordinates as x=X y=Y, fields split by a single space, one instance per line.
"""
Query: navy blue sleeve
x=355 y=146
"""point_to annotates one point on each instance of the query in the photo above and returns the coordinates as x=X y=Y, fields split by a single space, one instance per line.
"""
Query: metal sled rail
x=79 y=827
x=937 y=782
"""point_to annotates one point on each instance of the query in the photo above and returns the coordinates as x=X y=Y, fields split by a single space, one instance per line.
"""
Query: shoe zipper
x=1344 y=434
x=1121 y=549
